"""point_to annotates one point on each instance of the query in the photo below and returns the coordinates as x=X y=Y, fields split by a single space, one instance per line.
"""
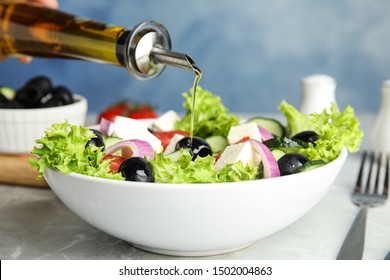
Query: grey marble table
x=35 y=224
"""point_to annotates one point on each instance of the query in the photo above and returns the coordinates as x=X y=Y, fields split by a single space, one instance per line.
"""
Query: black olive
x=14 y=104
x=198 y=146
x=30 y=96
x=52 y=102
x=137 y=169
x=3 y=100
x=97 y=141
x=64 y=94
x=290 y=163
x=42 y=82
x=308 y=136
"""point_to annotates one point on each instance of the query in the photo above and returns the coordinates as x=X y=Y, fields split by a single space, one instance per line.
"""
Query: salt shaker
x=380 y=134
x=317 y=93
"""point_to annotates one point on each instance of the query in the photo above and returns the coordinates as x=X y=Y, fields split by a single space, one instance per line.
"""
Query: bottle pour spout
x=175 y=59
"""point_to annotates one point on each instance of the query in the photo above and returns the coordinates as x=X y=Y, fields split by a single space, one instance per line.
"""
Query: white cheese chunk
x=246 y=130
x=128 y=128
x=234 y=153
x=124 y=125
x=172 y=144
x=166 y=122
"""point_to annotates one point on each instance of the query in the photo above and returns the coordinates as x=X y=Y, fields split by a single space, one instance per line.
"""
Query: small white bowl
x=193 y=219
x=21 y=127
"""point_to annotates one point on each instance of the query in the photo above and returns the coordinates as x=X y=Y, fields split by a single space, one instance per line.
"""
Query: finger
x=47 y=3
x=25 y=59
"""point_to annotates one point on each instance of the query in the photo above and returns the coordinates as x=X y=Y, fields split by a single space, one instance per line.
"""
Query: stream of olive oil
x=198 y=76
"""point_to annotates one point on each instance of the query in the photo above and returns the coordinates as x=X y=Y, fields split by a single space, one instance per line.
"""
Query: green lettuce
x=335 y=129
x=63 y=148
x=200 y=170
x=211 y=116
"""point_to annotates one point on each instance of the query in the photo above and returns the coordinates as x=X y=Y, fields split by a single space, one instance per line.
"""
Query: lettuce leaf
x=211 y=116
x=62 y=148
x=335 y=129
x=201 y=170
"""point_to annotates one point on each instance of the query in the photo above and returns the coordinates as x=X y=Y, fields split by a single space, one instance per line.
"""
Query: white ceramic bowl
x=193 y=219
x=21 y=127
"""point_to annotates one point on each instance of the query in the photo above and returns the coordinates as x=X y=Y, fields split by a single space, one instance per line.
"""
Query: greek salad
x=223 y=148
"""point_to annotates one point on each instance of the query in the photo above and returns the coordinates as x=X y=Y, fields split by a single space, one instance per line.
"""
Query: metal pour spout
x=175 y=59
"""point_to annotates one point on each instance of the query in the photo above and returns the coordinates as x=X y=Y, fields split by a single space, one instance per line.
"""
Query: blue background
x=253 y=53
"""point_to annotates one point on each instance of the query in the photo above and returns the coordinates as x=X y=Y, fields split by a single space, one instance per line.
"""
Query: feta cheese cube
x=128 y=128
x=246 y=130
x=172 y=144
x=166 y=122
x=124 y=126
x=234 y=153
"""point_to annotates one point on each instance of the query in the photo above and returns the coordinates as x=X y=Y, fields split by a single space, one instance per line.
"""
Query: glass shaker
x=317 y=93
x=380 y=134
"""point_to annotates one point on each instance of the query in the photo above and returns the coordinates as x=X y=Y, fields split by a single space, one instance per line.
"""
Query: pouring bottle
x=144 y=50
x=317 y=93
x=380 y=133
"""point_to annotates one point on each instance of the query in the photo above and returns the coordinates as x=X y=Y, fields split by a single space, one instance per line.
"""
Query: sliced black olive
x=198 y=146
x=290 y=163
x=30 y=96
x=308 y=136
x=64 y=94
x=97 y=141
x=42 y=82
x=52 y=102
x=3 y=100
x=137 y=169
x=14 y=104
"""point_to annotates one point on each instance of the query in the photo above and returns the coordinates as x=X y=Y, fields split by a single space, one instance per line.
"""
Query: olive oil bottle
x=143 y=50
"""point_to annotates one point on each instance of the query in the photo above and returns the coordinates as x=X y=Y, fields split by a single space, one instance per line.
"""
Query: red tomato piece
x=142 y=112
x=116 y=161
x=166 y=136
x=120 y=109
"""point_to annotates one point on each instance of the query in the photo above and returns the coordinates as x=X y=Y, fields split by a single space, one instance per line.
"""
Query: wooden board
x=16 y=170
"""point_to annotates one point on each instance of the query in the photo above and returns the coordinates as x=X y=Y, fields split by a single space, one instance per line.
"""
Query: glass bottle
x=317 y=93
x=380 y=133
x=143 y=50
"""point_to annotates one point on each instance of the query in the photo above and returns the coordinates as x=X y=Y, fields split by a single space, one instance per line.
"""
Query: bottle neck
x=42 y=32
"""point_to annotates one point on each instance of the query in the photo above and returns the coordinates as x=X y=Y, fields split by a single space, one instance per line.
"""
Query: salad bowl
x=193 y=219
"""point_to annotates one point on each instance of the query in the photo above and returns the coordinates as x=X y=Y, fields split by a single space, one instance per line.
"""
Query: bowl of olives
x=26 y=112
x=193 y=219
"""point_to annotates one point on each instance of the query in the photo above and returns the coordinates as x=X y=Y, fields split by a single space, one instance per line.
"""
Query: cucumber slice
x=278 y=153
x=311 y=164
x=111 y=140
x=218 y=143
x=284 y=142
x=271 y=125
x=7 y=92
x=175 y=155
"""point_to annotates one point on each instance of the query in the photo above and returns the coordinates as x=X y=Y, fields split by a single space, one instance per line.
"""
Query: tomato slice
x=116 y=161
x=142 y=112
x=110 y=113
x=166 y=136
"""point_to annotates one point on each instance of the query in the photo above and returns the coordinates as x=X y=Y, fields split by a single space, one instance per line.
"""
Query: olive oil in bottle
x=43 y=32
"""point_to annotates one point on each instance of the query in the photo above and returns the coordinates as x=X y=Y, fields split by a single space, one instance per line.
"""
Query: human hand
x=53 y=4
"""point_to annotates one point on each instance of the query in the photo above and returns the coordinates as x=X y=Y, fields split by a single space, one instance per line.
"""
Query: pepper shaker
x=380 y=134
x=317 y=93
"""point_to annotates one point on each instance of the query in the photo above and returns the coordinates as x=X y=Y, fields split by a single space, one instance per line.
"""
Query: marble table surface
x=35 y=224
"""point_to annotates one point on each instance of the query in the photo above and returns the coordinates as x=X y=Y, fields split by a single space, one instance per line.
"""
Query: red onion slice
x=106 y=127
x=271 y=168
x=132 y=148
x=265 y=134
